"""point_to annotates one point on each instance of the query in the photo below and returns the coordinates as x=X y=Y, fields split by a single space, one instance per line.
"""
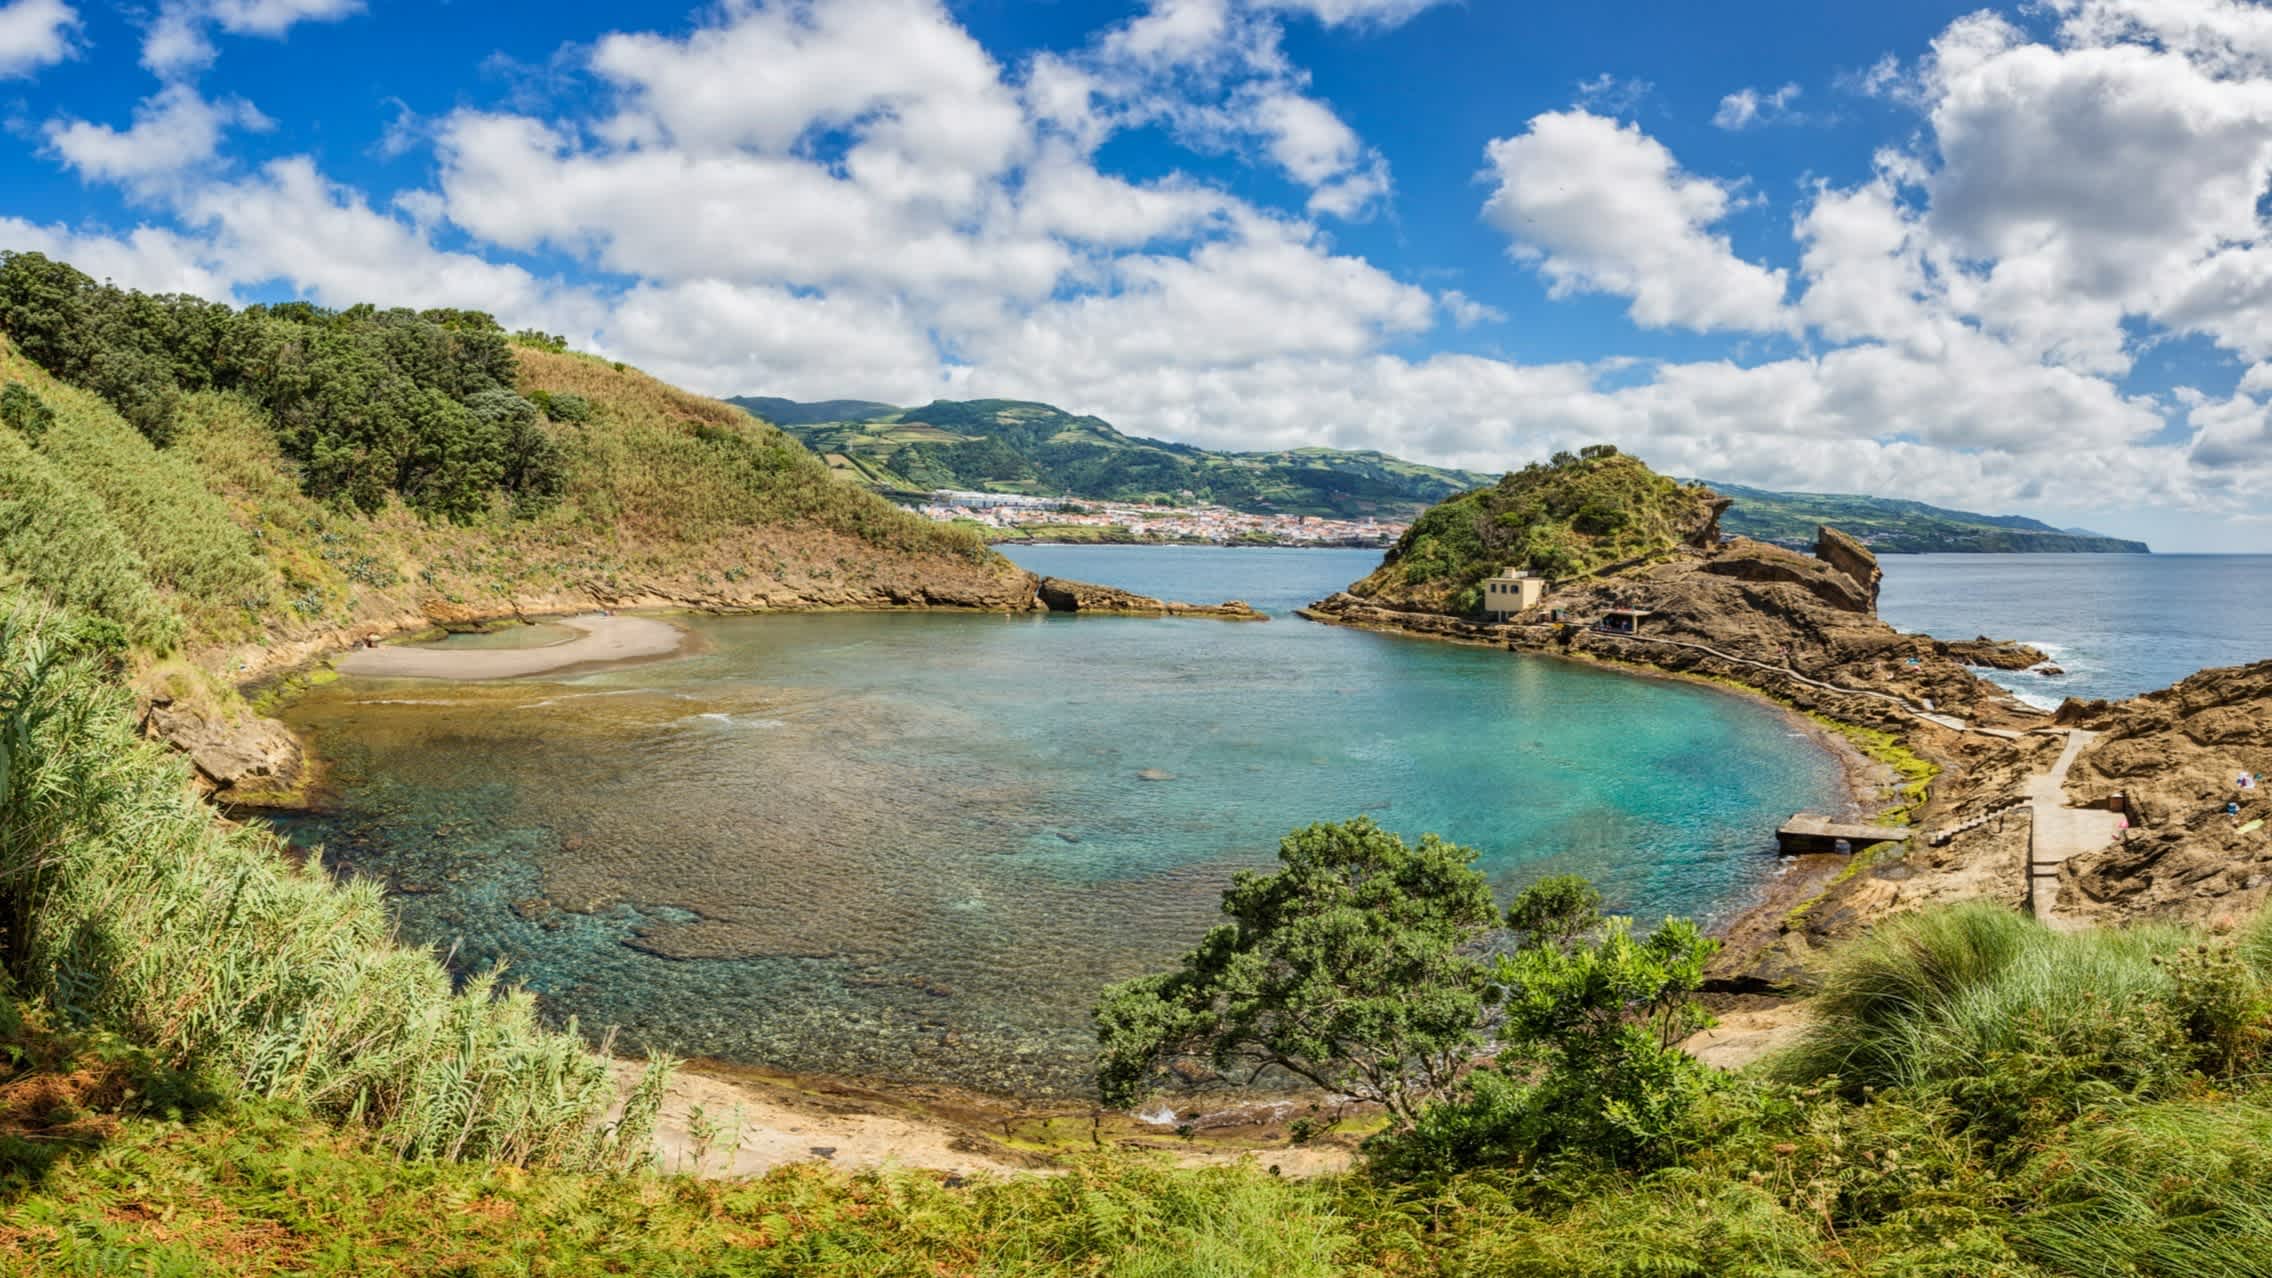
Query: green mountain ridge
x=1012 y=446
x=1891 y=525
x=1015 y=446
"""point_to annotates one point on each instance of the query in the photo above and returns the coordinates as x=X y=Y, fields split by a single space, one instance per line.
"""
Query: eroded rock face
x=1852 y=558
x=234 y=757
x=2177 y=757
x=1749 y=560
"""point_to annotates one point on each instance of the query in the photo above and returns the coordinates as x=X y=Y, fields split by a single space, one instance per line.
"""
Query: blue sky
x=2008 y=259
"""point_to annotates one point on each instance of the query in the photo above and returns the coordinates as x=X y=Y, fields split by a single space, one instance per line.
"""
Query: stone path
x=2057 y=831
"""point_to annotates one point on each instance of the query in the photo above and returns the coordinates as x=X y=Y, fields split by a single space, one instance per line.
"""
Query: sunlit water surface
x=915 y=846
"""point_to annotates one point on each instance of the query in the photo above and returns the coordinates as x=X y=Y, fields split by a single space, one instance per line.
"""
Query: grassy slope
x=211 y=541
x=2010 y=1102
x=1891 y=526
x=1007 y=446
x=1574 y=517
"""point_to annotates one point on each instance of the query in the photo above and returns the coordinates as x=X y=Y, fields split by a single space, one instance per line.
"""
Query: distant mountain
x=789 y=412
x=1892 y=526
x=1009 y=446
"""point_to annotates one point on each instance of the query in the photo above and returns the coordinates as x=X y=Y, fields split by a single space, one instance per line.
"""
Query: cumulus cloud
x=890 y=210
x=173 y=131
x=1601 y=207
x=152 y=259
x=179 y=42
x=1466 y=312
x=34 y=34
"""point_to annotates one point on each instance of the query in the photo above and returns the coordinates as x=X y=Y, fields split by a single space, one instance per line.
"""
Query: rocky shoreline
x=247 y=760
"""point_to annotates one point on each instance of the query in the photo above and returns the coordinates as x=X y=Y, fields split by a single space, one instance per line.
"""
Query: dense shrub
x=24 y=413
x=195 y=553
x=2018 y=1028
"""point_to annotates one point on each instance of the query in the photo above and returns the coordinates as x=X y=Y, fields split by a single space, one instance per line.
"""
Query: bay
x=915 y=846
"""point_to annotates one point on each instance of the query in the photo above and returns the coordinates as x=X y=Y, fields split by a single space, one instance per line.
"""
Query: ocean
x=2118 y=625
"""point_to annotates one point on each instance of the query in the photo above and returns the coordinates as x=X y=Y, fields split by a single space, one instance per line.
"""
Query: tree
x=1555 y=911
x=1591 y=1064
x=1354 y=967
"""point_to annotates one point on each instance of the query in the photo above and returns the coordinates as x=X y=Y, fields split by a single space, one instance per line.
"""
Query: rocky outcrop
x=1852 y=558
x=2177 y=757
x=1992 y=654
x=1749 y=560
x=1061 y=595
x=238 y=758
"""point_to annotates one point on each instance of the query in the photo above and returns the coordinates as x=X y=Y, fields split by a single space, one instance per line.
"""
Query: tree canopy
x=1352 y=967
x=418 y=405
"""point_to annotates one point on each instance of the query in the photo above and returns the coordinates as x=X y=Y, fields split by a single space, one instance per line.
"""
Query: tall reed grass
x=131 y=906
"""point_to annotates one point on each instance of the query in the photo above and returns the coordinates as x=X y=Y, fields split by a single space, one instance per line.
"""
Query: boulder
x=1852 y=558
x=236 y=756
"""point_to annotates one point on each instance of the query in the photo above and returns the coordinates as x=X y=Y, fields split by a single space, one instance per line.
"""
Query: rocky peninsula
x=1979 y=774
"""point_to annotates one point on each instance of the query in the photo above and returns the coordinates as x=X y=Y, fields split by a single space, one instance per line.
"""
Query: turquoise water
x=915 y=846
x=2118 y=625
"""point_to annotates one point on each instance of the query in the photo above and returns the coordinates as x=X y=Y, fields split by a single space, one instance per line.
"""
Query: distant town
x=1014 y=516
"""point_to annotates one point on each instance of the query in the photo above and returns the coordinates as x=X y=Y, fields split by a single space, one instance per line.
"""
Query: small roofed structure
x=1624 y=621
x=1514 y=590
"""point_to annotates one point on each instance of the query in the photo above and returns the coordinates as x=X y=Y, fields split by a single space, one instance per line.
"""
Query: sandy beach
x=602 y=640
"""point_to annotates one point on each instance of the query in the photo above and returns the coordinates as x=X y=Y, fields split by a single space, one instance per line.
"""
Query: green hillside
x=1577 y=514
x=1008 y=446
x=789 y=412
x=1891 y=526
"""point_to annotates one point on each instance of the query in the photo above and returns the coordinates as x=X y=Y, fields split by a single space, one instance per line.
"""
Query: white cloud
x=1605 y=94
x=173 y=131
x=1385 y=13
x=1466 y=311
x=1603 y=207
x=1747 y=107
x=34 y=34
x=152 y=259
x=1315 y=148
x=178 y=41
x=710 y=332
x=290 y=224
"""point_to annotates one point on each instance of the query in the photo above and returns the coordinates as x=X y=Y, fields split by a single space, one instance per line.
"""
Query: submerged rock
x=1058 y=594
x=1993 y=654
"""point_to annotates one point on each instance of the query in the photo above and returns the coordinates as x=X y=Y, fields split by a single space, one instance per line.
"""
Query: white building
x=1514 y=590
